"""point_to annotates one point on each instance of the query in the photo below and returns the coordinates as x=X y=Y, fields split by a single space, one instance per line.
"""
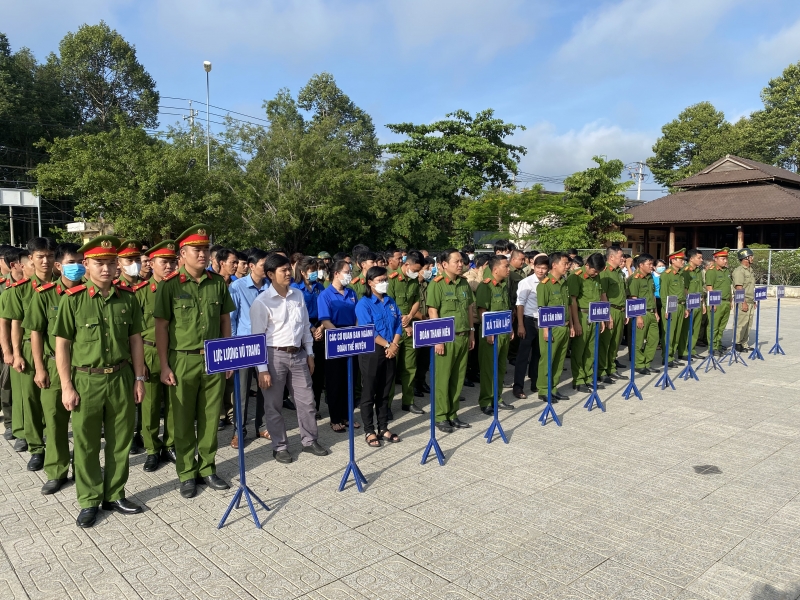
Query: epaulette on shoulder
x=393 y=274
x=637 y=275
x=124 y=288
x=46 y=286
x=139 y=286
x=487 y=280
x=3 y=280
x=438 y=278
x=19 y=282
x=171 y=275
x=74 y=290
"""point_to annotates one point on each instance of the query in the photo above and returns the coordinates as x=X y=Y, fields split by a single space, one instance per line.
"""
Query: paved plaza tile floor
x=691 y=493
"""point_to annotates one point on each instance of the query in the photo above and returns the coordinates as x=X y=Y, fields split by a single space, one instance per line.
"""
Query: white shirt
x=526 y=296
x=284 y=320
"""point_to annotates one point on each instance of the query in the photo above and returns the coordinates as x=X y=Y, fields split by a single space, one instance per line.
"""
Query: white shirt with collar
x=284 y=320
x=526 y=296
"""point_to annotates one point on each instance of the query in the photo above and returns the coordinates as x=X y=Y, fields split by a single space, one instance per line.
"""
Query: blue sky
x=585 y=78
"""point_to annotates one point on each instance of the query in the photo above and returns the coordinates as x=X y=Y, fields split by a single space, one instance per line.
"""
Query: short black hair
x=576 y=260
x=339 y=256
x=445 y=255
x=692 y=253
x=415 y=258
x=338 y=266
x=275 y=262
x=277 y=250
x=241 y=255
x=612 y=251
x=644 y=257
x=481 y=260
x=359 y=248
x=366 y=256
x=541 y=259
x=214 y=249
x=41 y=244
x=502 y=245
x=556 y=257
x=572 y=252
x=372 y=274
x=494 y=260
x=64 y=249
x=13 y=255
x=468 y=248
x=596 y=261
x=224 y=253
x=256 y=254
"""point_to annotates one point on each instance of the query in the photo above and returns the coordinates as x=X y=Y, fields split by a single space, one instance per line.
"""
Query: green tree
x=776 y=131
x=101 y=72
x=506 y=213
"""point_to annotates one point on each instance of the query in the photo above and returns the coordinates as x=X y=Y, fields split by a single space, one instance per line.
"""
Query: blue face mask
x=404 y=258
x=434 y=271
x=660 y=269
x=73 y=272
x=312 y=277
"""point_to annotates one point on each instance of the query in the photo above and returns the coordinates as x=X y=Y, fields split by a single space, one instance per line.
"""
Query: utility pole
x=207 y=68
x=192 y=114
x=636 y=171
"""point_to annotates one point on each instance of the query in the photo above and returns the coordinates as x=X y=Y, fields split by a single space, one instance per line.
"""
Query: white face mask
x=132 y=270
x=471 y=256
x=382 y=287
x=508 y=256
x=320 y=275
x=345 y=278
x=412 y=274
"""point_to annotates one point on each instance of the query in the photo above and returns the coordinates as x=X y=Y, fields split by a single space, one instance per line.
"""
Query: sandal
x=372 y=440
x=391 y=438
x=356 y=424
x=339 y=427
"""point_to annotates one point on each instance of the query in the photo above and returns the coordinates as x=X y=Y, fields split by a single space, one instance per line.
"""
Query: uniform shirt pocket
x=88 y=330
x=184 y=309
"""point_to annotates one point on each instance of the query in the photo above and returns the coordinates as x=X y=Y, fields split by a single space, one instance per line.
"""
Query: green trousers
x=486 y=362
x=582 y=357
x=56 y=426
x=106 y=405
x=559 y=354
x=197 y=397
x=151 y=406
x=646 y=340
x=609 y=343
x=5 y=395
x=683 y=343
x=449 y=378
x=18 y=415
x=721 y=314
x=676 y=324
x=406 y=368
x=31 y=404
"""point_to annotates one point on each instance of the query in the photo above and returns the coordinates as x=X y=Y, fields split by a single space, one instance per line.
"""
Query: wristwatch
x=141 y=378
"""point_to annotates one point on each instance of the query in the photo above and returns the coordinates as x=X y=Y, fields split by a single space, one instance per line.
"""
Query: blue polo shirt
x=311 y=296
x=243 y=292
x=384 y=315
x=337 y=307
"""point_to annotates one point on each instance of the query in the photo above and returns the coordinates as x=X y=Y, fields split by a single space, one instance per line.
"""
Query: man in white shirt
x=280 y=312
x=527 y=309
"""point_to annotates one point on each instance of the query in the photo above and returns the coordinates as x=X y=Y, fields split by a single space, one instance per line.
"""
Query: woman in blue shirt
x=306 y=279
x=660 y=267
x=378 y=369
x=336 y=307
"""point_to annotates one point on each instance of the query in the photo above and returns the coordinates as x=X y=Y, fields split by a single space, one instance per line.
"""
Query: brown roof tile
x=734 y=203
x=733 y=169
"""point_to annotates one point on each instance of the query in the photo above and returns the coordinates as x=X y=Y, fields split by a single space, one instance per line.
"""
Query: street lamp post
x=207 y=67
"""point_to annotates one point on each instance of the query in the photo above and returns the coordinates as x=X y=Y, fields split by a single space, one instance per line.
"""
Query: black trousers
x=377 y=384
x=423 y=366
x=318 y=377
x=527 y=355
x=336 y=389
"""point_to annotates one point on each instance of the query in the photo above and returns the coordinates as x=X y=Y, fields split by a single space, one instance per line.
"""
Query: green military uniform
x=99 y=330
x=719 y=280
x=642 y=286
x=359 y=286
x=405 y=292
x=492 y=295
x=744 y=277
x=672 y=284
x=612 y=284
x=451 y=298
x=194 y=310
x=693 y=284
x=423 y=356
x=6 y=396
x=585 y=290
x=19 y=300
x=41 y=317
x=552 y=292
x=514 y=277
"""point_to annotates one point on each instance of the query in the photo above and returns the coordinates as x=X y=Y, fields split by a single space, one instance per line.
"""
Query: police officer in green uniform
x=404 y=289
x=553 y=291
x=101 y=368
x=13 y=257
x=426 y=276
x=449 y=295
x=612 y=284
x=584 y=288
x=718 y=279
x=743 y=279
x=365 y=261
x=493 y=295
x=40 y=321
x=693 y=284
x=163 y=261
x=672 y=284
x=193 y=305
x=641 y=285
x=41 y=252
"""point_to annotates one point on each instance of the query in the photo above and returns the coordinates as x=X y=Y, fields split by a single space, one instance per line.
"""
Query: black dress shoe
x=487 y=410
x=425 y=387
x=459 y=424
x=505 y=406
x=444 y=426
x=123 y=506
x=87 y=517
x=188 y=488
x=672 y=364
x=607 y=379
x=653 y=371
x=553 y=399
x=462 y=398
x=151 y=464
x=288 y=404
x=20 y=445
x=697 y=356
x=52 y=486
x=168 y=454
x=223 y=423
x=36 y=462
x=558 y=396
x=282 y=456
x=419 y=394
x=413 y=409
x=215 y=482
x=618 y=364
x=468 y=383
x=137 y=444
x=316 y=449
x=8 y=434
x=618 y=375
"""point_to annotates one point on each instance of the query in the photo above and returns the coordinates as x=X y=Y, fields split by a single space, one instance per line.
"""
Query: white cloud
x=632 y=34
x=775 y=53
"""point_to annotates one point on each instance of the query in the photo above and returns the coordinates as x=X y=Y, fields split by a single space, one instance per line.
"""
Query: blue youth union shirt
x=337 y=307
x=384 y=315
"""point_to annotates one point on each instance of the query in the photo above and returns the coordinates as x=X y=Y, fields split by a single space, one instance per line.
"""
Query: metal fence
x=774 y=267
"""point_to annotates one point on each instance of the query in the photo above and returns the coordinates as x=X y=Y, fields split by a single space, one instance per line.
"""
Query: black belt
x=198 y=351
x=618 y=306
x=147 y=343
x=287 y=349
x=103 y=370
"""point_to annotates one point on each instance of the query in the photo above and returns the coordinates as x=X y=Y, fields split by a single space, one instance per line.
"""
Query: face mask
x=312 y=277
x=345 y=278
x=382 y=287
x=413 y=274
x=435 y=271
x=320 y=274
x=427 y=275
x=132 y=270
x=508 y=256
x=660 y=270
x=471 y=256
x=404 y=258
x=73 y=272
